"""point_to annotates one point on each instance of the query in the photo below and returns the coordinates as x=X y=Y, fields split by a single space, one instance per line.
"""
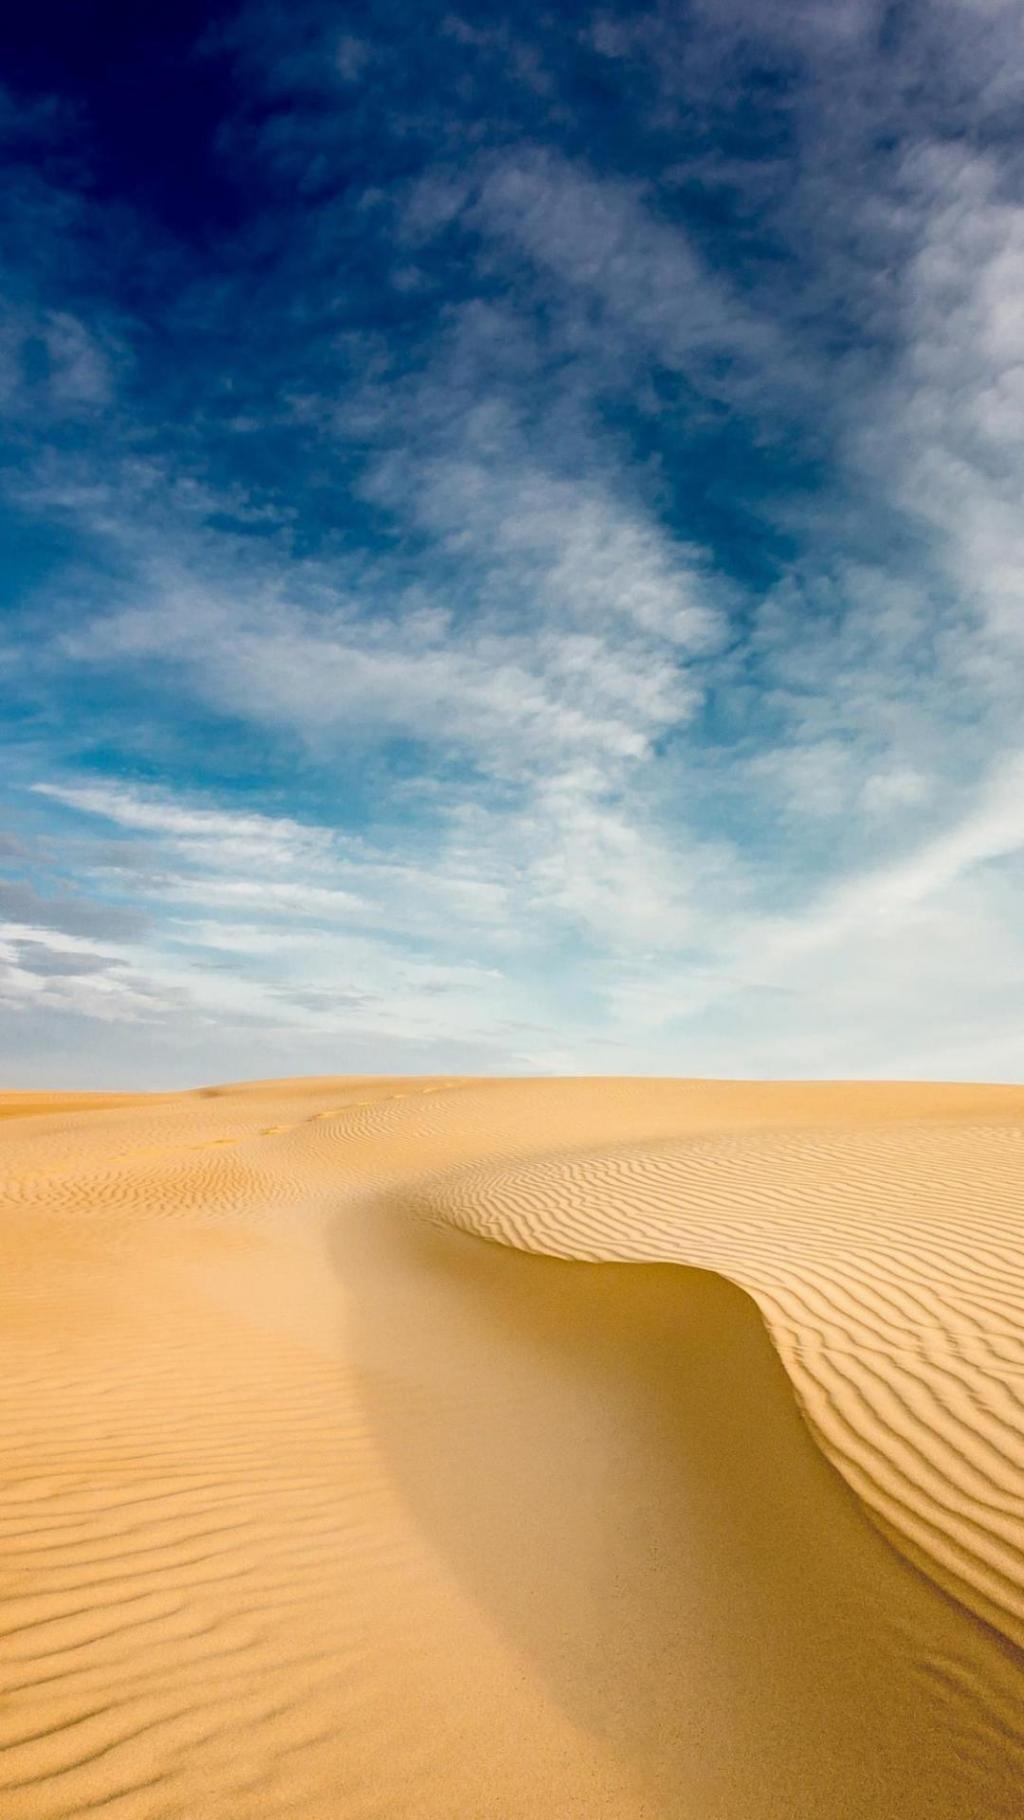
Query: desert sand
x=412 y=1449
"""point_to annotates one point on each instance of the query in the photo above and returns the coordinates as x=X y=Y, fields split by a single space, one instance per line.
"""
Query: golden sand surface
x=699 y=1493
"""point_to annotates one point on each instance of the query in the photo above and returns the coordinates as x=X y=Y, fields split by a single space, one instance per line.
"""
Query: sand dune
x=887 y=1262
x=316 y=1504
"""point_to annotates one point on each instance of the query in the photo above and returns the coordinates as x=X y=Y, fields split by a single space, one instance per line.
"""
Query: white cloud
x=81 y=372
x=992 y=830
x=43 y=970
x=558 y=627
x=78 y=368
x=271 y=897
x=351 y=56
x=237 y=838
x=628 y=282
x=946 y=430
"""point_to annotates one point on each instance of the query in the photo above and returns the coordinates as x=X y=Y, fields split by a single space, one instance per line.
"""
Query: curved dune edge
x=886 y=1264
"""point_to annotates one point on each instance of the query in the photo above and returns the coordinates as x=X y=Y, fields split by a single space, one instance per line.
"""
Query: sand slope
x=315 y=1504
x=888 y=1262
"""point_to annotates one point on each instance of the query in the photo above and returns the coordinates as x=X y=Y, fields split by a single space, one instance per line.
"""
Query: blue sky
x=513 y=545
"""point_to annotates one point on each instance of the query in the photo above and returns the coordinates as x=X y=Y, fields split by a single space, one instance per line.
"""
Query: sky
x=513 y=551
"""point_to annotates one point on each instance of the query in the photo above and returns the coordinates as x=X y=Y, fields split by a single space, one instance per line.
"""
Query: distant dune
x=699 y=1494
